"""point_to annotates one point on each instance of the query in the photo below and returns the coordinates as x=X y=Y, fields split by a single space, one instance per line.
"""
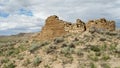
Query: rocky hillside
x=59 y=46
x=90 y=49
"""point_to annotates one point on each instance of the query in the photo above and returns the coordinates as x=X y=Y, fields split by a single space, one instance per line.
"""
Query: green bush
x=79 y=52
x=104 y=65
x=26 y=62
x=117 y=48
x=47 y=66
x=36 y=46
x=95 y=48
x=37 y=61
x=33 y=48
x=103 y=47
x=58 y=40
x=5 y=60
x=92 y=65
x=98 y=54
x=50 y=49
x=105 y=57
x=9 y=65
x=94 y=58
x=67 y=50
x=102 y=39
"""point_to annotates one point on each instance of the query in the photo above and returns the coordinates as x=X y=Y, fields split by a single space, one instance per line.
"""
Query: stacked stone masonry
x=54 y=27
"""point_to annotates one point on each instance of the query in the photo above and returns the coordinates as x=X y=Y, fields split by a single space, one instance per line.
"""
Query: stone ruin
x=101 y=24
x=54 y=27
x=79 y=26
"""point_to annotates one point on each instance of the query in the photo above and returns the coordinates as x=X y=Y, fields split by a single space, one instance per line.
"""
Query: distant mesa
x=54 y=27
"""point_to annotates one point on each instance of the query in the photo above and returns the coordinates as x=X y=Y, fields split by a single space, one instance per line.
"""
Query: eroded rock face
x=53 y=28
x=101 y=24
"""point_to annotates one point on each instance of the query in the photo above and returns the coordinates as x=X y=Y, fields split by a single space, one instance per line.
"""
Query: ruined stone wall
x=79 y=26
x=54 y=27
x=102 y=24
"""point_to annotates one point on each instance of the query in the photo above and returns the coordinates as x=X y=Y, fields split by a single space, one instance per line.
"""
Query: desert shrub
x=75 y=39
x=92 y=65
x=33 y=48
x=58 y=40
x=92 y=29
x=22 y=47
x=104 y=65
x=36 y=46
x=71 y=45
x=98 y=54
x=5 y=60
x=37 y=61
x=16 y=51
x=103 y=47
x=64 y=45
x=117 y=48
x=102 y=39
x=105 y=57
x=47 y=66
x=79 y=52
x=26 y=62
x=95 y=48
x=112 y=33
x=45 y=43
x=9 y=65
x=68 y=59
x=49 y=49
x=94 y=58
x=67 y=51
x=20 y=57
x=6 y=48
x=10 y=52
x=112 y=47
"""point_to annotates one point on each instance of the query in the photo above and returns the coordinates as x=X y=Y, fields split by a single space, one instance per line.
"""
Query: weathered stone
x=54 y=27
x=101 y=24
x=79 y=26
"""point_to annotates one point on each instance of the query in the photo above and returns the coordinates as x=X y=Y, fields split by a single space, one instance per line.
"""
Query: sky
x=29 y=15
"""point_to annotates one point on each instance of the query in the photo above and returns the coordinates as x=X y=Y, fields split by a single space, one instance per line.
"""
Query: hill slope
x=90 y=49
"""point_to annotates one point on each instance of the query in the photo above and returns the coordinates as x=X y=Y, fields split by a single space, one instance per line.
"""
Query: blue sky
x=29 y=15
x=3 y=14
x=26 y=12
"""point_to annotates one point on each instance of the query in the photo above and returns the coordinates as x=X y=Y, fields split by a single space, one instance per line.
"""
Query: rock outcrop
x=101 y=24
x=54 y=27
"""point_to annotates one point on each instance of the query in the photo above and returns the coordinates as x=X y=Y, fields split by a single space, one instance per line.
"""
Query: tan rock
x=101 y=24
x=53 y=28
x=79 y=26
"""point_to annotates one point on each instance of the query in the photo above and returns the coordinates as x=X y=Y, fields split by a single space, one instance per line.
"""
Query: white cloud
x=19 y=21
x=67 y=10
